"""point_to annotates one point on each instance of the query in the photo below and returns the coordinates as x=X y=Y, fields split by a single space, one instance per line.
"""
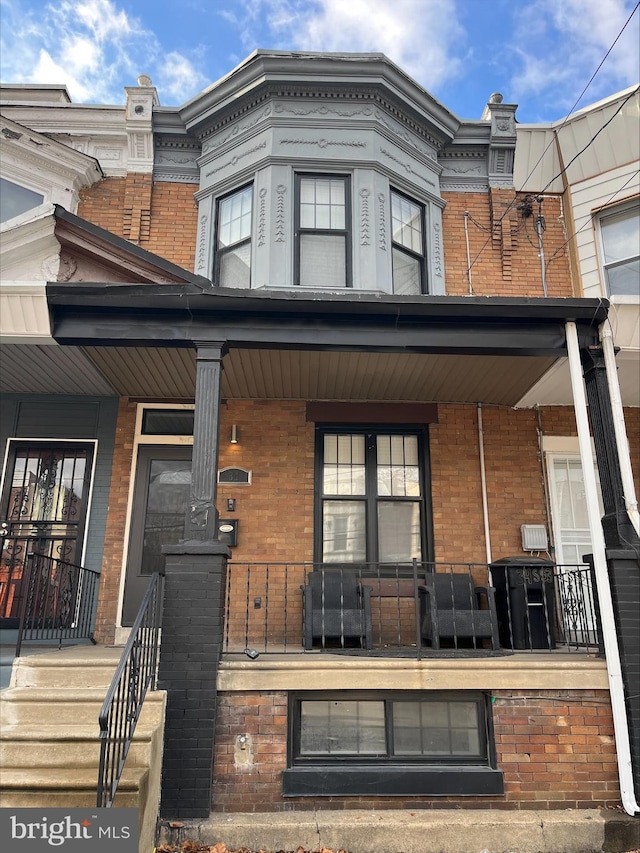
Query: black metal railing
x=55 y=601
x=420 y=609
x=135 y=674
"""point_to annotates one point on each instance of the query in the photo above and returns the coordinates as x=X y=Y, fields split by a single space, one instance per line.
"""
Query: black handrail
x=135 y=674
x=57 y=601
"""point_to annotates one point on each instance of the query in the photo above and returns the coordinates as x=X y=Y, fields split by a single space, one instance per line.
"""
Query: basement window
x=354 y=744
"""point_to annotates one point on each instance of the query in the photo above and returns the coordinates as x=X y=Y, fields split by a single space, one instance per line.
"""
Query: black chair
x=336 y=606
x=450 y=608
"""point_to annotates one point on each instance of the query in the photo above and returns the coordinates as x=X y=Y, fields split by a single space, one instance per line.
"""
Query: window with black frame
x=408 y=238
x=323 y=252
x=351 y=742
x=233 y=239
x=371 y=488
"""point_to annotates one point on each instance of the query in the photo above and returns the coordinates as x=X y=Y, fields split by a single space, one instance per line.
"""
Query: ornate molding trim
x=262 y=217
x=382 y=224
x=201 y=257
x=280 y=230
x=436 y=248
x=326 y=143
x=406 y=165
x=236 y=159
x=364 y=217
x=237 y=131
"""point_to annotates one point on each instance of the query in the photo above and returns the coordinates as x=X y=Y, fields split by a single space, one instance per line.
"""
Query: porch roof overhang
x=307 y=345
x=107 y=314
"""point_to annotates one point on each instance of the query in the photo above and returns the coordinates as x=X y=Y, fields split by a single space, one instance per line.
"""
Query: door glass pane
x=343 y=531
x=169 y=486
x=342 y=728
x=399 y=531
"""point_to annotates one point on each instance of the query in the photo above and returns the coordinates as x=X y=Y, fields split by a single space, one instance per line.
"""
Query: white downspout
x=609 y=636
x=622 y=442
x=483 y=481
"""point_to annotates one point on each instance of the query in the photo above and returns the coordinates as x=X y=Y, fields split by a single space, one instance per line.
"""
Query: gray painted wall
x=70 y=417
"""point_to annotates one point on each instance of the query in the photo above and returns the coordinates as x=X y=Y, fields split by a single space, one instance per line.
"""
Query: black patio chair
x=450 y=607
x=336 y=606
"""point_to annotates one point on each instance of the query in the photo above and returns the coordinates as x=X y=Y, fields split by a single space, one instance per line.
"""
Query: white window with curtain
x=323 y=250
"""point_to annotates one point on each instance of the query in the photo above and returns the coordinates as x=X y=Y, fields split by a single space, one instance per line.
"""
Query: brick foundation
x=555 y=748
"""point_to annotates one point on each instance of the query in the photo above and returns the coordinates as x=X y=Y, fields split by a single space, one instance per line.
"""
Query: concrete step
x=76 y=666
x=55 y=746
x=73 y=706
x=42 y=787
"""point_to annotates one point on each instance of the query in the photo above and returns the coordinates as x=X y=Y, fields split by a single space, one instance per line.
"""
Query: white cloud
x=560 y=45
x=179 y=78
x=419 y=36
x=92 y=46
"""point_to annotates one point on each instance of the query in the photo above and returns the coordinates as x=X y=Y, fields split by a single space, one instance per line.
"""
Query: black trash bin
x=525 y=602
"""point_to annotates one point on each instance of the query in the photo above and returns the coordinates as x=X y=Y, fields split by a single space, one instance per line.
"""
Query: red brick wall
x=503 y=249
x=160 y=217
x=116 y=519
x=555 y=748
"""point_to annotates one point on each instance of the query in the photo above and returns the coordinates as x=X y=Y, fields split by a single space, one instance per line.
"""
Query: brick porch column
x=193 y=614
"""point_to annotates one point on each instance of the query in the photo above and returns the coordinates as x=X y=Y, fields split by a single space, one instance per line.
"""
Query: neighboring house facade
x=339 y=344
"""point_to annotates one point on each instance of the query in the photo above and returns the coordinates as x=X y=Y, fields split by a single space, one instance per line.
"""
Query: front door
x=43 y=510
x=161 y=491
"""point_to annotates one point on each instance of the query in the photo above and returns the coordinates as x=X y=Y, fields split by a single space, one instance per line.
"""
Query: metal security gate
x=43 y=511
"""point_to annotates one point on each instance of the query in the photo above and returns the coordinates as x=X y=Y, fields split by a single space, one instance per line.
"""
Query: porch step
x=75 y=666
x=74 y=706
x=49 y=736
x=71 y=787
x=77 y=746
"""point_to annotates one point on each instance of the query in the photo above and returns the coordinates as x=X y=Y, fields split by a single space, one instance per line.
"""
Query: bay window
x=233 y=239
x=323 y=250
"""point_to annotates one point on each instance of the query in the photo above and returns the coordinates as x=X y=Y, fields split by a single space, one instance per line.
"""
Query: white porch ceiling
x=151 y=372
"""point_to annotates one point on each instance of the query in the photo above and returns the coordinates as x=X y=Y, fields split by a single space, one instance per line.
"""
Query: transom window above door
x=371 y=497
x=322 y=231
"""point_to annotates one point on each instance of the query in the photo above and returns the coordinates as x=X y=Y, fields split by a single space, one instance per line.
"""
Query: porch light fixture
x=234 y=434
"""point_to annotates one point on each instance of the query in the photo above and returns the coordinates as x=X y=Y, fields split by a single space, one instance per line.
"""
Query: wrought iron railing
x=55 y=601
x=537 y=607
x=135 y=674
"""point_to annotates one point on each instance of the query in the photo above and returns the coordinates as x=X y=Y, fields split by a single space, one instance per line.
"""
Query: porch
x=536 y=606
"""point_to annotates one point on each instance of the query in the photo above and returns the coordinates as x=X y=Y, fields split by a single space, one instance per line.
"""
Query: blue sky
x=539 y=54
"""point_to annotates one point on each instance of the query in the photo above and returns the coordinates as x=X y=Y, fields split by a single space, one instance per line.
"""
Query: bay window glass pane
x=342 y=728
x=235 y=267
x=235 y=218
x=399 y=531
x=406 y=221
x=343 y=531
x=406 y=274
x=323 y=260
x=322 y=203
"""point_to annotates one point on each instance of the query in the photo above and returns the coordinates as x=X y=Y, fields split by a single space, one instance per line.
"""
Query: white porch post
x=610 y=639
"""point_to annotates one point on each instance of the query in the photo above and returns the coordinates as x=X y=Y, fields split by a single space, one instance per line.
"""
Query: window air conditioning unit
x=534 y=537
